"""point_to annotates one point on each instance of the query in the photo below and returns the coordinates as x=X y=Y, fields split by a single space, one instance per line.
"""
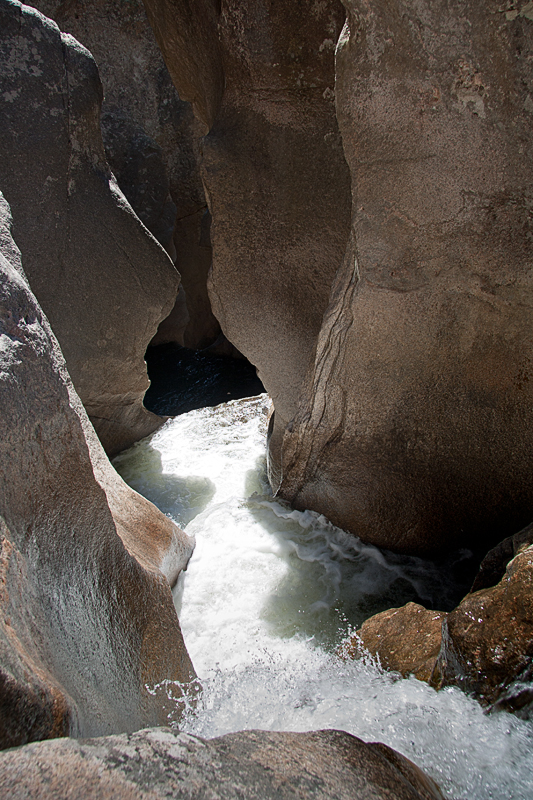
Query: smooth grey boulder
x=87 y=622
x=99 y=275
x=159 y=763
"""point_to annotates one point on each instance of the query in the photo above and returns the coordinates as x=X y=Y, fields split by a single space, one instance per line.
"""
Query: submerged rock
x=157 y=763
x=416 y=430
x=101 y=278
x=87 y=622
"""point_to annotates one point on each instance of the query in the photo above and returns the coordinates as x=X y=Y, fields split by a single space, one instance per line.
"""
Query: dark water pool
x=183 y=380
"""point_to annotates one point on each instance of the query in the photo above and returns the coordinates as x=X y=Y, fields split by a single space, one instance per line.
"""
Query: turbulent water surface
x=269 y=595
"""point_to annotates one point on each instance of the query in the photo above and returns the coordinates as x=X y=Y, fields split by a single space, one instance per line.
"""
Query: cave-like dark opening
x=182 y=379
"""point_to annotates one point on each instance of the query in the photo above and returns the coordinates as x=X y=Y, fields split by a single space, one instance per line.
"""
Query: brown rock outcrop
x=484 y=646
x=406 y=640
x=487 y=641
x=101 y=278
x=276 y=180
x=159 y=763
x=416 y=431
x=86 y=628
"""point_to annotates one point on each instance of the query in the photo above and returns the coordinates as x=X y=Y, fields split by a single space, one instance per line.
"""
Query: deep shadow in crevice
x=183 y=379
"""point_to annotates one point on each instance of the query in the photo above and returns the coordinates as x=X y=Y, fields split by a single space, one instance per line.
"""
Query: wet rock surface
x=487 y=641
x=87 y=620
x=253 y=764
x=415 y=432
x=406 y=640
x=101 y=278
x=484 y=645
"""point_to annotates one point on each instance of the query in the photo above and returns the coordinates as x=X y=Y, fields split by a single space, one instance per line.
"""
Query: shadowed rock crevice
x=151 y=141
x=272 y=164
x=182 y=379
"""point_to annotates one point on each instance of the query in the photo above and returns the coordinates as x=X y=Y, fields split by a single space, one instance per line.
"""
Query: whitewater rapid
x=268 y=597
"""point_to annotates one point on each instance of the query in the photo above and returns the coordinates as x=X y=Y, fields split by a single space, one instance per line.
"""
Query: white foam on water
x=271 y=592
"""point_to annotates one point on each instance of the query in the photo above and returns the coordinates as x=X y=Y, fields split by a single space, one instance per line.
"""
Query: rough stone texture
x=484 y=646
x=416 y=430
x=487 y=641
x=84 y=625
x=261 y=78
x=158 y=763
x=101 y=278
x=151 y=140
x=406 y=639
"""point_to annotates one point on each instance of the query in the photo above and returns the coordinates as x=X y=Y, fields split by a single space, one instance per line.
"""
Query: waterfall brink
x=269 y=595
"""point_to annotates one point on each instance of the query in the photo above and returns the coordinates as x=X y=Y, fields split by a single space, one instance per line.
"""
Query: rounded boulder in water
x=324 y=765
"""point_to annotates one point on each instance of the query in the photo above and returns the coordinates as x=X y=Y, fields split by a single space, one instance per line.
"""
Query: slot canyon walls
x=87 y=623
x=389 y=317
x=260 y=76
x=150 y=138
x=414 y=429
x=416 y=432
x=100 y=276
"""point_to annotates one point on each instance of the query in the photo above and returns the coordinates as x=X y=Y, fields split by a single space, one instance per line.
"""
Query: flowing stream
x=269 y=595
